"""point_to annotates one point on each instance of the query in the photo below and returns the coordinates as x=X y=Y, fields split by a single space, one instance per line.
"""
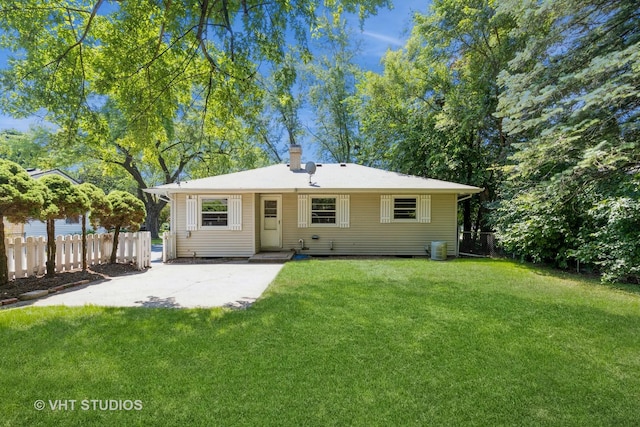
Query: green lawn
x=342 y=342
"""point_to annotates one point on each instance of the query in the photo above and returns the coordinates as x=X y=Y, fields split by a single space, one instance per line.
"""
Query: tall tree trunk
x=51 y=248
x=466 y=213
x=114 y=250
x=466 y=224
x=84 y=242
x=4 y=267
x=152 y=221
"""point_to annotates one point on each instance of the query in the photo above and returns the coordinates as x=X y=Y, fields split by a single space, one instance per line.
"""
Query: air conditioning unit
x=439 y=251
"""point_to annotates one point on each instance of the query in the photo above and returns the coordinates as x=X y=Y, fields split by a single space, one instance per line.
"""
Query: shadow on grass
x=157 y=302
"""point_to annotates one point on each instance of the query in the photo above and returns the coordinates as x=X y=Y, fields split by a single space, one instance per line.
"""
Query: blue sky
x=388 y=30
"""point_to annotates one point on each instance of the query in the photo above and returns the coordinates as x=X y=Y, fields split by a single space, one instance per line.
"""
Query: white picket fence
x=28 y=257
x=168 y=246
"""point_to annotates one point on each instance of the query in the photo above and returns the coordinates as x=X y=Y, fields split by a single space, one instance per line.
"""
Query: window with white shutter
x=323 y=210
x=405 y=208
x=218 y=212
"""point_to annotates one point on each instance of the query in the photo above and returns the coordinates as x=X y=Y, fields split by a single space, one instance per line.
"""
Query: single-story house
x=340 y=209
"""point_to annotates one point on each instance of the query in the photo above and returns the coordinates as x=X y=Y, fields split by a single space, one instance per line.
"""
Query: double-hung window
x=323 y=210
x=214 y=212
x=404 y=208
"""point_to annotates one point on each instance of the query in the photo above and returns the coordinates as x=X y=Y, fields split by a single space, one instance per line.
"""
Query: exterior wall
x=366 y=235
x=215 y=243
x=257 y=221
x=39 y=228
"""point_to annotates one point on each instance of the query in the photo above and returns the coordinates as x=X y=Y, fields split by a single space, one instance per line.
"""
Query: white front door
x=270 y=229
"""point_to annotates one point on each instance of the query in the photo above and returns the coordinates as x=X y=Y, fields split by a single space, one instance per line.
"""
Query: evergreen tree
x=63 y=200
x=21 y=198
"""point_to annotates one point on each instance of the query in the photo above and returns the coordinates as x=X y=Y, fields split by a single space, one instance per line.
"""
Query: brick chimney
x=295 y=156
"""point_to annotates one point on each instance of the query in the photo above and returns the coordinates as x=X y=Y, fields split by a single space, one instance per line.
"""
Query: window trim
x=393 y=208
x=201 y=199
x=336 y=211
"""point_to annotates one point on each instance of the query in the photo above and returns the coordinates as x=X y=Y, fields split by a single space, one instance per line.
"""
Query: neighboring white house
x=342 y=209
x=39 y=228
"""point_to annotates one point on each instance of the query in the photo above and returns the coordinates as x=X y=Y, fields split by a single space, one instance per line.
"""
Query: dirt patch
x=96 y=272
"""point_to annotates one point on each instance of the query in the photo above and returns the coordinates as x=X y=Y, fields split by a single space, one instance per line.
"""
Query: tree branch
x=79 y=41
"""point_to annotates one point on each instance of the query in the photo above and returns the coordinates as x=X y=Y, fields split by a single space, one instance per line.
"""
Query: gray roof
x=347 y=177
x=37 y=173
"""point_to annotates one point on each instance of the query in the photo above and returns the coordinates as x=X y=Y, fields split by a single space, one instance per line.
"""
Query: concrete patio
x=234 y=283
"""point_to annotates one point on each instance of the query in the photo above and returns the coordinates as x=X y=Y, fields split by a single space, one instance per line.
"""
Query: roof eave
x=166 y=191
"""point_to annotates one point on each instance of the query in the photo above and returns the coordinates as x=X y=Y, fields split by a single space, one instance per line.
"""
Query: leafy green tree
x=431 y=112
x=99 y=210
x=282 y=104
x=21 y=198
x=32 y=149
x=611 y=242
x=64 y=200
x=127 y=211
x=331 y=82
x=153 y=64
x=572 y=101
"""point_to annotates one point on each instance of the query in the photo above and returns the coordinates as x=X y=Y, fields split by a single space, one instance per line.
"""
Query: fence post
x=59 y=261
x=8 y=244
x=18 y=257
x=31 y=256
x=121 y=240
x=91 y=249
x=41 y=255
x=106 y=246
x=129 y=254
x=143 y=249
x=67 y=244
x=139 y=243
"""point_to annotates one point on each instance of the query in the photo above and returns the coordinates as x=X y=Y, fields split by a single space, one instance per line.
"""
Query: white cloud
x=384 y=38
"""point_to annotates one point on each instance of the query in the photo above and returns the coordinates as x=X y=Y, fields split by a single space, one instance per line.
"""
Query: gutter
x=308 y=190
x=467 y=197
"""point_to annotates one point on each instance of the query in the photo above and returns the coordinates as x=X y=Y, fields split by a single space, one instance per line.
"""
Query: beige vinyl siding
x=366 y=235
x=256 y=221
x=216 y=243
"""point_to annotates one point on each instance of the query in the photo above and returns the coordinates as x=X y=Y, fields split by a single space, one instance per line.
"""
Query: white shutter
x=234 y=212
x=424 y=208
x=303 y=211
x=192 y=214
x=385 y=208
x=343 y=211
